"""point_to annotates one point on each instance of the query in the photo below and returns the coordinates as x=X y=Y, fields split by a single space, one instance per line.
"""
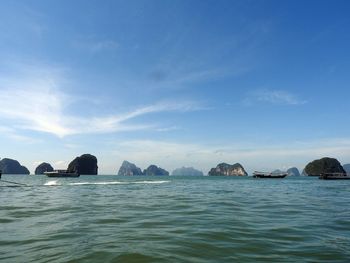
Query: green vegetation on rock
x=10 y=166
x=129 y=169
x=155 y=170
x=228 y=170
x=43 y=167
x=85 y=164
x=323 y=165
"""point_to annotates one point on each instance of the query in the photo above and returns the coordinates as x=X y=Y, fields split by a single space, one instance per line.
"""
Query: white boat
x=334 y=176
x=61 y=173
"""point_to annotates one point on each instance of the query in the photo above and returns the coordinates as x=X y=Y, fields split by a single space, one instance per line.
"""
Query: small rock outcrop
x=155 y=170
x=228 y=170
x=183 y=171
x=10 y=166
x=347 y=168
x=324 y=165
x=129 y=169
x=293 y=171
x=85 y=165
x=43 y=167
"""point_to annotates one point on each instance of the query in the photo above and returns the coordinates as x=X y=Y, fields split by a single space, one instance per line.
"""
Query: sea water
x=174 y=219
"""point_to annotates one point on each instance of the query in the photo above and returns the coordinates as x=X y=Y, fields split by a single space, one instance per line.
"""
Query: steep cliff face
x=293 y=171
x=183 y=171
x=43 y=167
x=155 y=170
x=10 y=166
x=324 y=165
x=228 y=170
x=85 y=164
x=129 y=169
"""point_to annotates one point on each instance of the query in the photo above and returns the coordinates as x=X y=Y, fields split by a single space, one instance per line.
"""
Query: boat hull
x=269 y=176
x=63 y=175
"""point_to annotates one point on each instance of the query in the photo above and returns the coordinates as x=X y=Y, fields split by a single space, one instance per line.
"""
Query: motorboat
x=61 y=173
x=269 y=175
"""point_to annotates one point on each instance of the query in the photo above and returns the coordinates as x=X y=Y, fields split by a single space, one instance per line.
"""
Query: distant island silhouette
x=86 y=164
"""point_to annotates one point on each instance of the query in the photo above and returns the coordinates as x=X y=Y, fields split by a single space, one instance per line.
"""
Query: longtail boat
x=269 y=175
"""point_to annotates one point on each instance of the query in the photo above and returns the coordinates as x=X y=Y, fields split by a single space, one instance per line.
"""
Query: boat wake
x=51 y=183
x=119 y=182
x=98 y=183
x=151 y=182
x=55 y=183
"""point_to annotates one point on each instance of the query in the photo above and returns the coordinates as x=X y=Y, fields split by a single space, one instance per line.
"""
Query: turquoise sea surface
x=174 y=219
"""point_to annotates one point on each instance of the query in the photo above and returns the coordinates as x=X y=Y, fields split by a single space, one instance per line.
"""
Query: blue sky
x=173 y=83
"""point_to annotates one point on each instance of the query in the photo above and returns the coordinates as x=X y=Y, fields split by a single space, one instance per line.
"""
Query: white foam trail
x=151 y=182
x=50 y=183
x=98 y=183
x=118 y=182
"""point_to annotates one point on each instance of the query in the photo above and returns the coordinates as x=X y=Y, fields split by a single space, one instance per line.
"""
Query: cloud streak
x=13 y=135
x=276 y=97
x=37 y=103
x=34 y=102
x=116 y=123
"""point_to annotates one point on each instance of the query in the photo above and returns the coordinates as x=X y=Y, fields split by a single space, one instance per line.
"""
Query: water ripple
x=145 y=219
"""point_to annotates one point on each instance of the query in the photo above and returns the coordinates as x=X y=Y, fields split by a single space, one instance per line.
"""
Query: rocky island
x=129 y=169
x=10 y=166
x=155 y=170
x=323 y=165
x=224 y=169
x=43 y=167
x=293 y=171
x=183 y=171
x=86 y=164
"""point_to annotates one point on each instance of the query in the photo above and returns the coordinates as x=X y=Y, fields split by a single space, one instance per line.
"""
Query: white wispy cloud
x=166 y=129
x=115 y=123
x=35 y=101
x=279 y=97
x=13 y=135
